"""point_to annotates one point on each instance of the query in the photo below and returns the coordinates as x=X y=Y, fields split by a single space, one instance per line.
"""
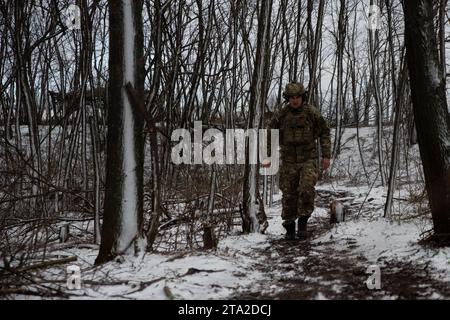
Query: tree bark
x=373 y=44
x=123 y=209
x=252 y=220
x=430 y=109
x=398 y=109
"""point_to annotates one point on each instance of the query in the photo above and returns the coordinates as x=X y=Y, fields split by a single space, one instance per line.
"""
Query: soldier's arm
x=324 y=135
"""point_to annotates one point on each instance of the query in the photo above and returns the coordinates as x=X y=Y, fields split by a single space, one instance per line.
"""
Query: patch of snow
x=381 y=240
x=189 y=275
x=321 y=296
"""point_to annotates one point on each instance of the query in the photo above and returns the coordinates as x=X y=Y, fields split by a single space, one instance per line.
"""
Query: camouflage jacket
x=299 y=130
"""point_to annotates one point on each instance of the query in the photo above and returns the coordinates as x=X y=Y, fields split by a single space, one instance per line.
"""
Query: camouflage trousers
x=297 y=182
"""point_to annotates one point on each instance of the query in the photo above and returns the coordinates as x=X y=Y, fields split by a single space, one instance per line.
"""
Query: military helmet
x=294 y=89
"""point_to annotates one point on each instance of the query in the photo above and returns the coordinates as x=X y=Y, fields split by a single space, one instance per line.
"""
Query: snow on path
x=266 y=266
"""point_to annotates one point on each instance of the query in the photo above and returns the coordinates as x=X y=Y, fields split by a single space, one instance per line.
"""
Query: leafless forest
x=66 y=141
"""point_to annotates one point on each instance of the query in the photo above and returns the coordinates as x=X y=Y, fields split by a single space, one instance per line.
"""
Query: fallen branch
x=15 y=291
x=47 y=264
x=192 y=271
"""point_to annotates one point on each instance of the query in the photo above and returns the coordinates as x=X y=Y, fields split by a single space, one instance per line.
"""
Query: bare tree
x=342 y=33
x=251 y=199
x=373 y=44
x=430 y=110
x=123 y=209
x=313 y=78
x=399 y=101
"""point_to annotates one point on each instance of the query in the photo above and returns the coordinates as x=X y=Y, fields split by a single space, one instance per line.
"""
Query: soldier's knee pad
x=290 y=199
x=307 y=198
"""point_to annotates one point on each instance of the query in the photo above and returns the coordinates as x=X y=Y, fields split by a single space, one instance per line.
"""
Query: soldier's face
x=295 y=101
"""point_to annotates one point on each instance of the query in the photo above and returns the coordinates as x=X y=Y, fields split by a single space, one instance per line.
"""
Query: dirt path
x=305 y=270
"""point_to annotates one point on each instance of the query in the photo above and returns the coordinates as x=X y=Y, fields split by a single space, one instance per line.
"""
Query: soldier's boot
x=290 y=231
x=302 y=231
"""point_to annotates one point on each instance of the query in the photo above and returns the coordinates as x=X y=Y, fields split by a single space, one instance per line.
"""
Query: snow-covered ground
x=235 y=267
x=379 y=239
x=263 y=265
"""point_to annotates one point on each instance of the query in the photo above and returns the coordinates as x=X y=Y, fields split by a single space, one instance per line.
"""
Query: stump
x=337 y=212
x=64 y=232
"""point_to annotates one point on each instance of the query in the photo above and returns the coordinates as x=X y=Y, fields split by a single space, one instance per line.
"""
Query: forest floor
x=331 y=264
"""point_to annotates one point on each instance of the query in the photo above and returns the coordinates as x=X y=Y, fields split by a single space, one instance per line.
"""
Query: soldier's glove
x=325 y=164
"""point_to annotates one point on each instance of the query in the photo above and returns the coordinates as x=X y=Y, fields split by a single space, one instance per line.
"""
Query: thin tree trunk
x=93 y=132
x=376 y=92
x=315 y=56
x=442 y=22
x=251 y=220
x=399 y=98
x=342 y=30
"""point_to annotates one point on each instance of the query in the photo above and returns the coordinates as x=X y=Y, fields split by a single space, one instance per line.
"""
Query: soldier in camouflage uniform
x=300 y=124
